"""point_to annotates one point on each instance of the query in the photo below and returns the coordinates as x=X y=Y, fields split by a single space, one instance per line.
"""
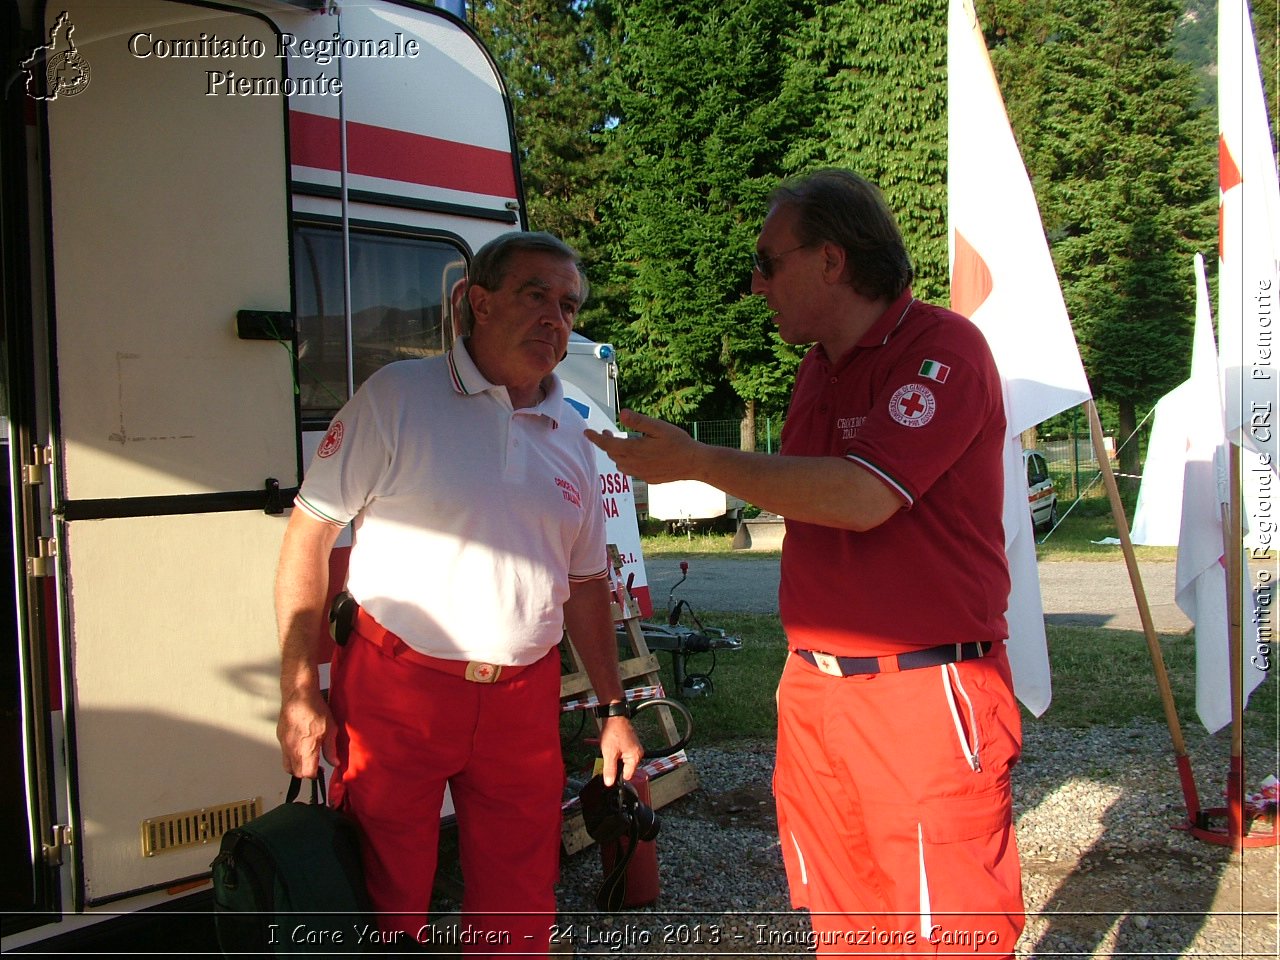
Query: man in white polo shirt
x=479 y=536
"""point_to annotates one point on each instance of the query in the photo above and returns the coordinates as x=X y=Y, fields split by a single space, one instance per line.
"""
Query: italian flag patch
x=935 y=370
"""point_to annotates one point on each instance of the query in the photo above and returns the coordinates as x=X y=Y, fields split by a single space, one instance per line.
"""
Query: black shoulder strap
x=614 y=888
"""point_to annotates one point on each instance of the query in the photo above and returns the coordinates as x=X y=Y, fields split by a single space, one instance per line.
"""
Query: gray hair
x=490 y=264
x=840 y=207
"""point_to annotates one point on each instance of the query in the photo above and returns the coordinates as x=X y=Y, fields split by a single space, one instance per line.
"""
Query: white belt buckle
x=827 y=664
x=482 y=672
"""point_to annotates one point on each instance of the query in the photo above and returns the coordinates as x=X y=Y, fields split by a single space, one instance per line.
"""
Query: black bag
x=290 y=881
x=616 y=815
x=616 y=811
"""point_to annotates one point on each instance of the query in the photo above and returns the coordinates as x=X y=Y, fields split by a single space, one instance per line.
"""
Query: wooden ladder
x=668 y=779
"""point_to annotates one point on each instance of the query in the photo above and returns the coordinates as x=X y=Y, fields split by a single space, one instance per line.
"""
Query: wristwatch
x=606 y=710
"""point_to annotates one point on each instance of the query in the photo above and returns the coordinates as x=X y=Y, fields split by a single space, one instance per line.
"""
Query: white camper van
x=217 y=219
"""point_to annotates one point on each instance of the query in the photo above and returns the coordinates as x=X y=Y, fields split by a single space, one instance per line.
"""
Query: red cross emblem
x=913 y=405
x=478 y=672
x=332 y=441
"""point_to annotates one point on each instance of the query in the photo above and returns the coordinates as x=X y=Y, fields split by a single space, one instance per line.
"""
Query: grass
x=1074 y=537
x=1106 y=677
x=697 y=542
x=742 y=704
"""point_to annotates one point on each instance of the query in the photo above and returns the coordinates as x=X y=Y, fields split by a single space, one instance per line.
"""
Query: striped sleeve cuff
x=893 y=482
x=314 y=511
x=601 y=575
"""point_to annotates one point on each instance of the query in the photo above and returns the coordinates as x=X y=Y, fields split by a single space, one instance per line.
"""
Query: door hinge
x=41 y=565
x=60 y=839
x=35 y=472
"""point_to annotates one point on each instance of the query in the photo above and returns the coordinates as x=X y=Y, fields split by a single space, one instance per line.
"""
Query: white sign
x=618 y=495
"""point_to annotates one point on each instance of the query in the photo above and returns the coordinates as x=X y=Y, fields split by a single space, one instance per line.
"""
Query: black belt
x=914 y=660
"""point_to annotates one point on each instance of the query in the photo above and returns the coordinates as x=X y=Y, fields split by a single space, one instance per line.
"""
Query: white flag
x=1201 y=581
x=1003 y=279
x=1158 y=515
x=1248 y=283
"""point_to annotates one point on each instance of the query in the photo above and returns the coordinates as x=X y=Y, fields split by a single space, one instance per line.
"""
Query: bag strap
x=317 y=788
x=614 y=888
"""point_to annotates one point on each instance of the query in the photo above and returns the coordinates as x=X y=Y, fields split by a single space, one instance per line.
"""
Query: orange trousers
x=895 y=808
x=404 y=731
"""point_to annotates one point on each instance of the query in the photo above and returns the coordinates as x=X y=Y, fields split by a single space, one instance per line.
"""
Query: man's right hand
x=305 y=729
x=660 y=453
x=306 y=726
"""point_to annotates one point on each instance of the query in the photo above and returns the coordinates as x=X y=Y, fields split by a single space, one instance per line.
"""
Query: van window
x=1037 y=470
x=399 y=308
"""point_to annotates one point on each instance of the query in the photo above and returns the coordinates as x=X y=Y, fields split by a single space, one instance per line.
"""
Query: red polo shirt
x=918 y=403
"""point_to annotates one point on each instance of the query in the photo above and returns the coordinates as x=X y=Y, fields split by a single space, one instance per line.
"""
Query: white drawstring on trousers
x=951 y=675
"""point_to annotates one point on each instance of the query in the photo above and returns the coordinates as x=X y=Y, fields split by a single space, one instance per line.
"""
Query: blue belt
x=913 y=660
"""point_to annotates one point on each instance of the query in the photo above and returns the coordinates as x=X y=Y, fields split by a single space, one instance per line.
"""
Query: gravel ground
x=1106 y=871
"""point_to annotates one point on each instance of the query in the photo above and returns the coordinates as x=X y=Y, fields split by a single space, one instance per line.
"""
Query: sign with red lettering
x=617 y=499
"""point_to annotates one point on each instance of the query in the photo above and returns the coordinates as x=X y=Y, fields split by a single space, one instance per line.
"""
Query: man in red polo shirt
x=897 y=726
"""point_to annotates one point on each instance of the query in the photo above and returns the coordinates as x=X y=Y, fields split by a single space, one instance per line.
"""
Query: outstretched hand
x=663 y=453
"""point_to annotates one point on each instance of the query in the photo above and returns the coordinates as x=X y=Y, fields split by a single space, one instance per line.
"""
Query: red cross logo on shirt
x=913 y=405
x=332 y=441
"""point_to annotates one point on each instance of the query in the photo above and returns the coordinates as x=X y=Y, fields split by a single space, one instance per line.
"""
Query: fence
x=728 y=433
x=1072 y=465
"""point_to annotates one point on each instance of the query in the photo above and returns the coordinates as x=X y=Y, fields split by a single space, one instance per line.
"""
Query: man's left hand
x=618 y=742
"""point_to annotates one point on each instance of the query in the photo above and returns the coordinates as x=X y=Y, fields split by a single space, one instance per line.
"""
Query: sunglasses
x=764 y=265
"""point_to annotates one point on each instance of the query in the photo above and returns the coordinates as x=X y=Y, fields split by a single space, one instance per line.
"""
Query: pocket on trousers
x=955 y=819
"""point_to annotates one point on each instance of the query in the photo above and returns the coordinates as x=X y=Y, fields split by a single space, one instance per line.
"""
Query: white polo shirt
x=471 y=517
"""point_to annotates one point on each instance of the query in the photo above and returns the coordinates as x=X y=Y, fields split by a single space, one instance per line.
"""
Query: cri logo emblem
x=332 y=440
x=66 y=72
x=913 y=405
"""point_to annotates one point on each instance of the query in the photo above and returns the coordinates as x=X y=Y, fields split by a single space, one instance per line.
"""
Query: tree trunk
x=1130 y=467
x=747 y=429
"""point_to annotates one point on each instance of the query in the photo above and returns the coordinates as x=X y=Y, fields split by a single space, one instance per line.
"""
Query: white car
x=1040 y=492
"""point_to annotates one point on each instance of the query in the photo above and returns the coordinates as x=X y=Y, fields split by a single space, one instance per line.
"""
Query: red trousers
x=404 y=731
x=892 y=839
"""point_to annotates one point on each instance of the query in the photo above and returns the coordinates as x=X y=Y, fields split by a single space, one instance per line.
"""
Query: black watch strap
x=605 y=710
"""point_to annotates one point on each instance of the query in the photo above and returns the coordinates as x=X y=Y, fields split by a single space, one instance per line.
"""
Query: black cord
x=703 y=653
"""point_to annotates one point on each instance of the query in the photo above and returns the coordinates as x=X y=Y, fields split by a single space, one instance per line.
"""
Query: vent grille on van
x=195 y=828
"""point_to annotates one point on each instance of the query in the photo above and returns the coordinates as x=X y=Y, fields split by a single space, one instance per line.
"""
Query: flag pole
x=1183 y=761
x=1233 y=547
x=1237 y=833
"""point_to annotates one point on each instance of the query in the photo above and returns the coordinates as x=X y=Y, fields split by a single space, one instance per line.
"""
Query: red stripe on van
x=400 y=155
